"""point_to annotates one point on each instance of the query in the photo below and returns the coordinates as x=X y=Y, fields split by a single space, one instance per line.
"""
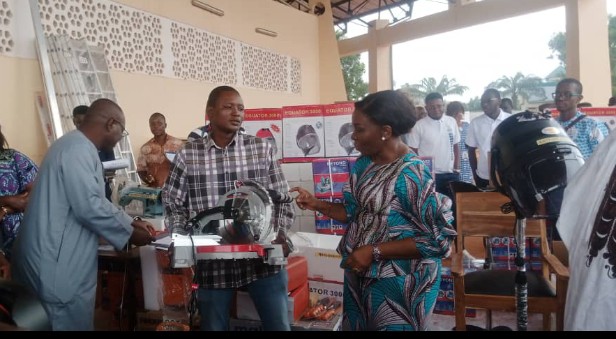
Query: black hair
x=389 y=108
x=493 y=92
x=158 y=115
x=453 y=108
x=80 y=110
x=571 y=81
x=216 y=92
x=432 y=96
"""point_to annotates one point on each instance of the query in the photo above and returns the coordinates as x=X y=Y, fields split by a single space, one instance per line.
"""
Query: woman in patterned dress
x=455 y=109
x=17 y=174
x=399 y=228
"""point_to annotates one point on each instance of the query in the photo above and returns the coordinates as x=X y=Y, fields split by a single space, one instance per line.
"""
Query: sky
x=477 y=55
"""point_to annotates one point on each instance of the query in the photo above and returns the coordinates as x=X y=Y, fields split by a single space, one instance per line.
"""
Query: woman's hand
x=360 y=259
x=304 y=199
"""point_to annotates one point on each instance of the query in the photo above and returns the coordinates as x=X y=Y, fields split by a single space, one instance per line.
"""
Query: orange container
x=297 y=270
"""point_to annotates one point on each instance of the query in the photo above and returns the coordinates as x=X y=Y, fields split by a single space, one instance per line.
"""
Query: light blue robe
x=56 y=250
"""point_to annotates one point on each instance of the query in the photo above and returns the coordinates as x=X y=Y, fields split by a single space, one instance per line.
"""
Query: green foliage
x=474 y=104
x=559 y=49
x=519 y=86
x=558 y=45
x=353 y=70
x=445 y=86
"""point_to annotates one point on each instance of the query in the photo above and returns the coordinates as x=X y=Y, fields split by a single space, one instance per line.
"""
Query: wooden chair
x=479 y=215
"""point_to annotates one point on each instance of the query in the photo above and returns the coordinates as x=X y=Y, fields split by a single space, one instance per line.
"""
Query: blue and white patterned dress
x=16 y=172
x=385 y=203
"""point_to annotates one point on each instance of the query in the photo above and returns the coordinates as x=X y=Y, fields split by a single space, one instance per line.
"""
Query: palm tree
x=519 y=86
x=428 y=85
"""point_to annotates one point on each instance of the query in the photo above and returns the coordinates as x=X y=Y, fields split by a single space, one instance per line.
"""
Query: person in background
x=506 y=105
x=206 y=169
x=154 y=161
x=17 y=174
x=455 y=109
x=399 y=227
x=586 y=226
x=612 y=101
x=479 y=136
x=421 y=112
x=56 y=249
x=437 y=136
x=79 y=113
x=586 y=132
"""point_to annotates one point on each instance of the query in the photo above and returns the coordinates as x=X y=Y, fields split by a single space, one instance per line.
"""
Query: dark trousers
x=442 y=181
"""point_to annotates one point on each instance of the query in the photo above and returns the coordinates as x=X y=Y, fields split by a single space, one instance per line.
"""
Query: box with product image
x=445 y=300
x=265 y=123
x=339 y=130
x=303 y=135
x=330 y=176
x=326 y=225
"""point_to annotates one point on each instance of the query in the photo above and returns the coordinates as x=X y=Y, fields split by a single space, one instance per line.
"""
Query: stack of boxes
x=329 y=176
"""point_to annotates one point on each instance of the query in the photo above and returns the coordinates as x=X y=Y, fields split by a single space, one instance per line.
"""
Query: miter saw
x=239 y=227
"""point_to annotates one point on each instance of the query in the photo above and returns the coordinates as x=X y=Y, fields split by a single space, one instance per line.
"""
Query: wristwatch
x=376 y=253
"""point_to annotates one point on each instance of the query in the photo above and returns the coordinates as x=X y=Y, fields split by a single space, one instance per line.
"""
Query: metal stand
x=521 y=283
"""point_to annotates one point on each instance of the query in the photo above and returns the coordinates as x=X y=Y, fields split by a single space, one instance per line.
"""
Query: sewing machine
x=141 y=201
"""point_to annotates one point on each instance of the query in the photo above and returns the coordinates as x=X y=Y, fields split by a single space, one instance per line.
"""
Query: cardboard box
x=338 y=130
x=265 y=123
x=320 y=289
x=320 y=252
x=303 y=136
x=298 y=302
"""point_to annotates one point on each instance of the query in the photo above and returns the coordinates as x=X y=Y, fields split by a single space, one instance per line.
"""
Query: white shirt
x=591 y=294
x=436 y=138
x=480 y=136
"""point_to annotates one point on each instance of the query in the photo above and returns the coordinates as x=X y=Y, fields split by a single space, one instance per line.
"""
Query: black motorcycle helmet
x=533 y=159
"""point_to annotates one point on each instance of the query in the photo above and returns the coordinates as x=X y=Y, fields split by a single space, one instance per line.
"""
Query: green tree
x=519 y=86
x=445 y=86
x=474 y=104
x=353 y=70
x=559 y=48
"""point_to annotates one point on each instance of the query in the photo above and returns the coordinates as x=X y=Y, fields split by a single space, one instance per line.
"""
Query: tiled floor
x=509 y=319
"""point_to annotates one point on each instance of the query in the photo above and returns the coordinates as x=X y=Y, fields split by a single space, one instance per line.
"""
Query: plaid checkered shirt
x=201 y=173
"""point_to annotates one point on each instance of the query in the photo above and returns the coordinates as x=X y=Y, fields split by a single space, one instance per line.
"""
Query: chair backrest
x=479 y=214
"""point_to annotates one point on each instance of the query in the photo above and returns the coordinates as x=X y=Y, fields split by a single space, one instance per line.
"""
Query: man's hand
x=282 y=240
x=143 y=233
x=5 y=267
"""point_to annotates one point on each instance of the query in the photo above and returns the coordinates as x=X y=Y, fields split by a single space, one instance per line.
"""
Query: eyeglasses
x=124 y=131
x=566 y=95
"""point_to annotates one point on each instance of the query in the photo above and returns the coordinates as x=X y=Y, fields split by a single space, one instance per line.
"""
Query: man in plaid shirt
x=207 y=168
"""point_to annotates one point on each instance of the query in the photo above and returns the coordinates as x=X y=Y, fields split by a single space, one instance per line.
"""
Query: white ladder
x=76 y=73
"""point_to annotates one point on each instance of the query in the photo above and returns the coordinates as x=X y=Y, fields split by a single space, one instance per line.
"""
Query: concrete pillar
x=587 y=48
x=379 y=60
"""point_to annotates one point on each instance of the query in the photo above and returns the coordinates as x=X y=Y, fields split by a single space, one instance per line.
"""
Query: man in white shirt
x=437 y=136
x=480 y=136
